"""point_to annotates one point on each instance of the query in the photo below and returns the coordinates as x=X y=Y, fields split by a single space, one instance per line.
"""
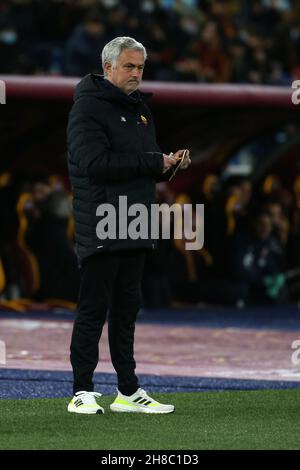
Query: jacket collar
x=113 y=93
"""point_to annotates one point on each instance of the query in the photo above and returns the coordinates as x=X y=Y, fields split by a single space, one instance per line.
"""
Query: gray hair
x=113 y=49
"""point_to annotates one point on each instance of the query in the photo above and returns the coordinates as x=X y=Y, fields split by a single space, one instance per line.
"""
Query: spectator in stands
x=259 y=63
x=228 y=219
x=239 y=61
x=82 y=48
x=213 y=63
x=279 y=220
x=254 y=257
x=9 y=48
x=161 y=54
x=47 y=237
x=135 y=28
x=8 y=230
x=189 y=270
x=256 y=42
x=117 y=20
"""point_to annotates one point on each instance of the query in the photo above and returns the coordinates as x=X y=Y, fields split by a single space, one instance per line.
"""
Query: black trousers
x=110 y=282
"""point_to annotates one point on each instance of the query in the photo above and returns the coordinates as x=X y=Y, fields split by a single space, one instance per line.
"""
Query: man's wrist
x=158 y=157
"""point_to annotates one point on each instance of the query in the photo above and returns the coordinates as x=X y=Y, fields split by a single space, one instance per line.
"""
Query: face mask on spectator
x=8 y=37
x=190 y=27
x=110 y=3
x=147 y=6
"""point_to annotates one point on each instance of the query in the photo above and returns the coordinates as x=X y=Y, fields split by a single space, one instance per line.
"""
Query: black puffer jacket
x=112 y=152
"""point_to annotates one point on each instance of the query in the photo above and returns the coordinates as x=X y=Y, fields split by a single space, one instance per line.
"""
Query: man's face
x=275 y=211
x=264 y=227
x=127 y=75
x=41 y=191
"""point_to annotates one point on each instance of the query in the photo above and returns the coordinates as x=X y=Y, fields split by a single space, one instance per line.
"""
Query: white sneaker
x=85 y=403
x=139 y=402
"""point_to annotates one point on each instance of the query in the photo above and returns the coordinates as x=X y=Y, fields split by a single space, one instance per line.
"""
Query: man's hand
x=187 y=160
x=169 y=160
x=172 y=159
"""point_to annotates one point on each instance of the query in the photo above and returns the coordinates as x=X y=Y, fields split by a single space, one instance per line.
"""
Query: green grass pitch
x=215 y=420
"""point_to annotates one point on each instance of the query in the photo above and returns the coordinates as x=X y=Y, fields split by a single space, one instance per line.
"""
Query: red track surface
x=161 y=350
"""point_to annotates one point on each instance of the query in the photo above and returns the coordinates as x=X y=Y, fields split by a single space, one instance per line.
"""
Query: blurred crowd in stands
x=211 y=41
x=251 y=253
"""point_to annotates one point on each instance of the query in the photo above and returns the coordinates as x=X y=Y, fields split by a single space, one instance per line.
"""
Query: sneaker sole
x=72 y=409
x=130 y=409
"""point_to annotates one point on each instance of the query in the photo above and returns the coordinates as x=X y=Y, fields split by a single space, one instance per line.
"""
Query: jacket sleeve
x=90 y=150
x=161 y=176
x=164 y=176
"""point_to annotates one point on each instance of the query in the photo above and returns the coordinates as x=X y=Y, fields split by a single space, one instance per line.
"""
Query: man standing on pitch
x=112 y=152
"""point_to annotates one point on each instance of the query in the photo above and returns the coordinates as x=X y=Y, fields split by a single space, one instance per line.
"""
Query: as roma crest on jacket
x=144 y=120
